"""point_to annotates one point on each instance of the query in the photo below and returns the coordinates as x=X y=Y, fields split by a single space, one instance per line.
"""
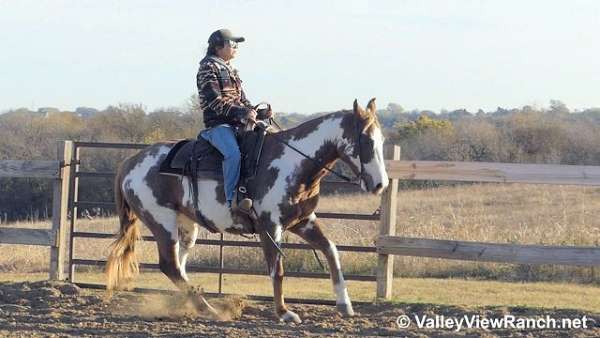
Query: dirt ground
x=52 y=309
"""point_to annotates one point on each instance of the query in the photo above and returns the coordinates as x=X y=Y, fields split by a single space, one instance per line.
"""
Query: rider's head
x=223 y=44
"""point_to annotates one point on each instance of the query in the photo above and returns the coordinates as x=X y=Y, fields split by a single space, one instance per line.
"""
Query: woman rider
x=225 y=108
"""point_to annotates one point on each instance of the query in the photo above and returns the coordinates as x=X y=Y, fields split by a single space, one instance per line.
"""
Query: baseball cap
x=217 y=37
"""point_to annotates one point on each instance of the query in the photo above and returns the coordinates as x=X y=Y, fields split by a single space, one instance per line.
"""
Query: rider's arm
x=209 y=89
x=245 y=100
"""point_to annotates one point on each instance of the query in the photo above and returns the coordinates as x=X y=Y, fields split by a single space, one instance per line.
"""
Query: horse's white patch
x=177 y=264
x=341 y=293
x=376 y=168
x=274 y=267
x=188 y=234
x=335 y=254
x=278 y=232
x=208 y=203
x=186 y=223
x=136 y=182
x=290 y=316
x=310 y=224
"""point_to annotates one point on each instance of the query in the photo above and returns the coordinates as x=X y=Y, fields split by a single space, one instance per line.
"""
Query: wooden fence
x=66 y=175
x=388 y=244
x=55 y=237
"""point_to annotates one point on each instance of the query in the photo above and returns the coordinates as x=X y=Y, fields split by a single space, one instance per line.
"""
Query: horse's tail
x=122 y=265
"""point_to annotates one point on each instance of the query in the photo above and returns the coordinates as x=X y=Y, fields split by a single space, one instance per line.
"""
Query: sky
x=304 y=56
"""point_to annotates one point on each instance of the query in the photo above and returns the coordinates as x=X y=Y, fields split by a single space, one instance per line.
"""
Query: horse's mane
x=370 y=121
x=309 y=122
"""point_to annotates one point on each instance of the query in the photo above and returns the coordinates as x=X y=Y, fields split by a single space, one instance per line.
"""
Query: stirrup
x=244 y=205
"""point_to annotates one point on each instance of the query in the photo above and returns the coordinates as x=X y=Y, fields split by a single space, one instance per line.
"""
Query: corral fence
x=66 y=174
x=56 y=237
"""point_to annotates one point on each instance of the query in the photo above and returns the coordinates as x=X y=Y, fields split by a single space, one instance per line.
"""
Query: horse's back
x=155 y=151
x=142 y=166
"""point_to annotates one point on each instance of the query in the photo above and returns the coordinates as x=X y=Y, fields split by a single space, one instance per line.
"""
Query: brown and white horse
x=285 y=195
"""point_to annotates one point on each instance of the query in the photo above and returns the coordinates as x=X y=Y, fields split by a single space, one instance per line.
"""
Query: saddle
x=197 y=158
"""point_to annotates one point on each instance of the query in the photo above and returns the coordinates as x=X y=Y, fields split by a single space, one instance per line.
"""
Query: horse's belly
x=209 y=197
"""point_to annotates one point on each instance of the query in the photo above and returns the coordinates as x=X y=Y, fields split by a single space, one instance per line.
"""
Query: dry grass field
x=503 y=213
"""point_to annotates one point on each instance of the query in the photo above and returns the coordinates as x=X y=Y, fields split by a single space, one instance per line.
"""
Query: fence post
x=385 y=263
x=71 y=202
x=58 y=252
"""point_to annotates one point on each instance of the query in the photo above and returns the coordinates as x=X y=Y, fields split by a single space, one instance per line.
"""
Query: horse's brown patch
x=267 y=176
x=166 y=189
x=265 y=222
x=302 y=131
x=261 y=185
x=359 y=128
x=304 y=191
x=220 y=192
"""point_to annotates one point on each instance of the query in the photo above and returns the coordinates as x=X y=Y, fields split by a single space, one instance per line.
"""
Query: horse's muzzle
x=378 y=189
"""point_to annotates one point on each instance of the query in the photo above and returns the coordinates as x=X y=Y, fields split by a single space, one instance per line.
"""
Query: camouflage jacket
x=222 y=98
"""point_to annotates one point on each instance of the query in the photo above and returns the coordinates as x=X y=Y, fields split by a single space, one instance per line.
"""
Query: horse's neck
x=319 y=140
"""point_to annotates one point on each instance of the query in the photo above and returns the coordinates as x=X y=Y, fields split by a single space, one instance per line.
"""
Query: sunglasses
x=232 y=44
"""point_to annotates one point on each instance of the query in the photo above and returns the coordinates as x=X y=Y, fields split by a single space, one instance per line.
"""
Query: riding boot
x=243 y=213
x=244 y=205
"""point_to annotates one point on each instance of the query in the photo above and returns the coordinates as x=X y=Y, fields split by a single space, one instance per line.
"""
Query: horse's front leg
x=310 y=231
x=275 y=267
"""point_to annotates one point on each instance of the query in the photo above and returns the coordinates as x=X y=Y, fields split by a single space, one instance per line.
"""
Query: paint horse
x=285 y=192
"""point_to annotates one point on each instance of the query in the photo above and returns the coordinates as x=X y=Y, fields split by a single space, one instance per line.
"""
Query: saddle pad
x=179 y=158
x=209 y=159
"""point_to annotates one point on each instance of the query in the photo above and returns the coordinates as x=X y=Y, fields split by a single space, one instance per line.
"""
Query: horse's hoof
x=195 y=291
x=345 y=309
x=203 y=306
x=290 y=316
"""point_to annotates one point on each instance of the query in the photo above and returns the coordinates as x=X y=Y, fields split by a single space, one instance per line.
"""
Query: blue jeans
x=222 y=137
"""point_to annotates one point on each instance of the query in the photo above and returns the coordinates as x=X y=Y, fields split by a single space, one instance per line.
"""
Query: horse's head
x=364 y=154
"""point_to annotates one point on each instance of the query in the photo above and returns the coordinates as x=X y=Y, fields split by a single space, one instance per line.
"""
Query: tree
x=423 y=124
x=395 y=108
x=557 y=107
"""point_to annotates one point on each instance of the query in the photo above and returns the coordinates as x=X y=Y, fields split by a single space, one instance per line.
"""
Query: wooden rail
x=494 y=172
x=27 y=236
x=489 y=252
x=33 y=169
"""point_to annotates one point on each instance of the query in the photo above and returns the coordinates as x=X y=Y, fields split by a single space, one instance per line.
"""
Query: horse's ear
x=358 y=110
x=371 y=109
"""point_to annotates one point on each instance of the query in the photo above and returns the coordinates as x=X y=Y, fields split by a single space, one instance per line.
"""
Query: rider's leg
x=223 y=138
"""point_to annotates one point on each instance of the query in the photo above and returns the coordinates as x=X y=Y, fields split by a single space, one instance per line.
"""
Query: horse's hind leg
x=311 y=232
x=169 y=262
x=188 y=233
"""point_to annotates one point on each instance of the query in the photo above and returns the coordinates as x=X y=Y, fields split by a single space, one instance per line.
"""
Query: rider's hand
x=251 y=116
x=265 y=114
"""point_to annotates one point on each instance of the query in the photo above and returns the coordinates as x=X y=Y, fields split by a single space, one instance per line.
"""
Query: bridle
x=359 y=177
